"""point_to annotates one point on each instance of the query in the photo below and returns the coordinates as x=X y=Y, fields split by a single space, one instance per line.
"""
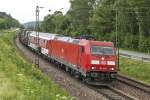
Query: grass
x=20 y=80
x=135 y=68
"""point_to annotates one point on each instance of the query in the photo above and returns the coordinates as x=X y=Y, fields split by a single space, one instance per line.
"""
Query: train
x=92 y=61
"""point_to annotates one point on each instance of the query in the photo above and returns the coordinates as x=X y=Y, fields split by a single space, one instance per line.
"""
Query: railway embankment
x=19 y=79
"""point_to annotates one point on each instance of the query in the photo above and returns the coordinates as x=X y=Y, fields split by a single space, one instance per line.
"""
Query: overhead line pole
x=117 y=29
x=117 y=40
x=37 y=36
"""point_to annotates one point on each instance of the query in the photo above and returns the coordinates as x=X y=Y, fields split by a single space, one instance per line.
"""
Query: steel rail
x=113 y=94
x=133 y=83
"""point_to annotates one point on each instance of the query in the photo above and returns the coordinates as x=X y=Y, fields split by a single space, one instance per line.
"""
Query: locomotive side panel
x=66 y=52
x=72 y=54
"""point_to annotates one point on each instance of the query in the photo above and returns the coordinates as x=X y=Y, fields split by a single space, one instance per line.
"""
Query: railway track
x=125 y=89
x=134 y=88
x=114 y=94
x=136 y=84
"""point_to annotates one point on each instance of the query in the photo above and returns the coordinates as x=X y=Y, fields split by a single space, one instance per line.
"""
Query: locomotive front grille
x=102 y=76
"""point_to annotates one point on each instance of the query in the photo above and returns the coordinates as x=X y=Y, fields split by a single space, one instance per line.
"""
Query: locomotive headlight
x=95 y=62
x=111 y=63
x=93 y=68
x=112 y=69
x=102 y=58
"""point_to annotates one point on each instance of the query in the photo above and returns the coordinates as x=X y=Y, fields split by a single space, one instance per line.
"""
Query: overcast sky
x=24 y=10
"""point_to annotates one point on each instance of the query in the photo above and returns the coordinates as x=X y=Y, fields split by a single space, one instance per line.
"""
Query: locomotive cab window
x=102 y=50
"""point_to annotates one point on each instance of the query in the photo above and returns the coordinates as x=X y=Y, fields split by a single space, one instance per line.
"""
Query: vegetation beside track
x=20 y=80
x=135 y=68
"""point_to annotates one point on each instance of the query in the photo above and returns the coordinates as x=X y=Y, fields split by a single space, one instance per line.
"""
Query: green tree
x=6 y=21
x=48 y=24
x=80 y=12
x=56 y=23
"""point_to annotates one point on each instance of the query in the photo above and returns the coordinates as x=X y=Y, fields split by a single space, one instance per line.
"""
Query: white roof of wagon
x=42 y=35
x=75 y=41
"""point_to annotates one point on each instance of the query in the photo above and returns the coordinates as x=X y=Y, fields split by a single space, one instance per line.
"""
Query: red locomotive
x=93 y=61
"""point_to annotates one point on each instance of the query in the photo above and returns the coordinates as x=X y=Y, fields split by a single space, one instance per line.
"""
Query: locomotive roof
x=63 y=38
x=99 y=43
x=75 y=41
x=102 y=43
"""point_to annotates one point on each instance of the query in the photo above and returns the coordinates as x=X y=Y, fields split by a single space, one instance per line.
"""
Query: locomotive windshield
x=102 y=50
